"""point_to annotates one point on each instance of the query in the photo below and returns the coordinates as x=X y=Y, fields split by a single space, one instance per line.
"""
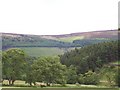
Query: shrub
x=110 y=75
x=89 y=78
x=117 y=78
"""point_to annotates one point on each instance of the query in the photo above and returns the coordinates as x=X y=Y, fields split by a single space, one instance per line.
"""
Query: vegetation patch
x=86 y=67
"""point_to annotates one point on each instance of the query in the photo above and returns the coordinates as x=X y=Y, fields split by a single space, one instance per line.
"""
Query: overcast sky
x=45 y=17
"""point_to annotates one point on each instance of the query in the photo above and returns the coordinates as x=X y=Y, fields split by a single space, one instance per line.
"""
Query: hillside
x=92 y=56
x=66 y=40
x=111 y=34
x=19 y=40
x=85 y=61
x=45 y=51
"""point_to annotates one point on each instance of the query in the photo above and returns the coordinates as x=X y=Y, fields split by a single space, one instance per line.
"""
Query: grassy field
x=58 y=87
x=71 y=39
x=44 y=51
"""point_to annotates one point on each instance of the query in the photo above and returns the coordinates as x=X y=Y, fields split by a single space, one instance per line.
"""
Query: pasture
x=34 y=88
x=71 y=39
x=45 y=51
x=19 y=83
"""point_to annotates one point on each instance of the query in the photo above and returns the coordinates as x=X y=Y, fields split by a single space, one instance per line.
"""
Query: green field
x=71 y=39
x=60 y=89
x=44 y=51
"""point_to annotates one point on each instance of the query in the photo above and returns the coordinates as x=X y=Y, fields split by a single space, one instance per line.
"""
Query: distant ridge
x=93 y=34
x=65 y=40
x=76 y=33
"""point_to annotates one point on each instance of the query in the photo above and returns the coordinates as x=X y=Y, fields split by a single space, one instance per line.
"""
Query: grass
x=44 y=51
x=58 y=87
x=71 y=39
x=118 y=62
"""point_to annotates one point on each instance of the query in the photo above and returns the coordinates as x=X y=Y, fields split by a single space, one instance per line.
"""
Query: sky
x=53 y=17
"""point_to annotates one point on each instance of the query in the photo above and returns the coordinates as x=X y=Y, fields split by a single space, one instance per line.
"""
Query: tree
x=49 y=70
x=13 y=61
x=71 y=75
x=89 y=78
x=91 y=57
x=29 y=75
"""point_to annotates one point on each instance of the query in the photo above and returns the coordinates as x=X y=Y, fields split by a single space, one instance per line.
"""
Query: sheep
x=41 y=85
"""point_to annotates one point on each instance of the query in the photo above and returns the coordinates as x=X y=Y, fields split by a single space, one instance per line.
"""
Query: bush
x=110 y=75
x=89 y=78
x=117 y=78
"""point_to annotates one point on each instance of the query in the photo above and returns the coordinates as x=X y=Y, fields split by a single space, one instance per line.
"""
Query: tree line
x=91 y=57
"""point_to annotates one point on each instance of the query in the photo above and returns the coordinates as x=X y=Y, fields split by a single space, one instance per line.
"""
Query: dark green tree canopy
x=91 y=57
x=13 y=61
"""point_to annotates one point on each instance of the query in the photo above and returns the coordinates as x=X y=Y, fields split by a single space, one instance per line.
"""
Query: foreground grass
x=68 y=87
x=60 y=88
x=19 y=83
